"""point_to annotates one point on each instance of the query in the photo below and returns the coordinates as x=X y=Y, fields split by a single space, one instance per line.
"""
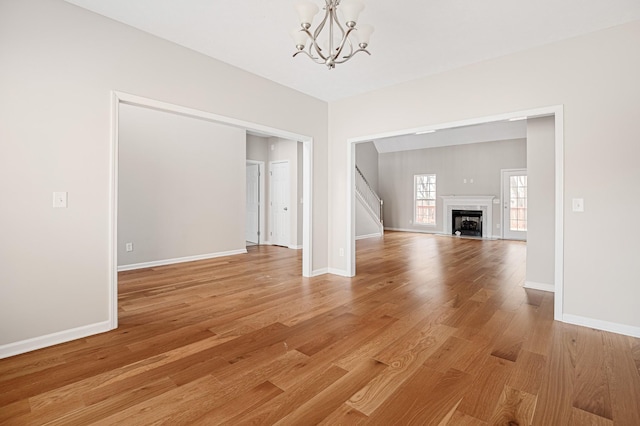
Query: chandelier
x=335 y=47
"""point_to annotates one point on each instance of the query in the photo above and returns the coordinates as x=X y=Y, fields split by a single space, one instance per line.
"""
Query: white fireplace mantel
x=483 y=203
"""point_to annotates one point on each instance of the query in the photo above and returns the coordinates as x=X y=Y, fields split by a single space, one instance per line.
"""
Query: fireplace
x=466 y=222
x=481 y=203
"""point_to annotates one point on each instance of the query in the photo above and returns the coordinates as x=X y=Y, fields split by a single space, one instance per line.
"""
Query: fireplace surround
x=482 y=203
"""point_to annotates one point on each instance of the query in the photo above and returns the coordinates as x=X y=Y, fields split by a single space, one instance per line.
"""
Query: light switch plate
x=59 y=200
x=578 y=205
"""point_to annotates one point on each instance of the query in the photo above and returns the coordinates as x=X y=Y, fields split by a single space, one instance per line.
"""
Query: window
x=518 y=203
x=425 y=196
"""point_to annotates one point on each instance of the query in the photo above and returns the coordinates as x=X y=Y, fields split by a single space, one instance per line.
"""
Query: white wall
x=595 y=77
x=540 y=202
x=480 y=162
x=59 y=66
x=181 y=186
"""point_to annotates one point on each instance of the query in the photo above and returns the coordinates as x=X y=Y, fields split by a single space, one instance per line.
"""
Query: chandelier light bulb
x=306 y=11
x=350 y=11
x=300 y=38
x=363 y=34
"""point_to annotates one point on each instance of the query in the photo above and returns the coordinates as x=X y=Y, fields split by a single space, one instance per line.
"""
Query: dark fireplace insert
x=467 y=222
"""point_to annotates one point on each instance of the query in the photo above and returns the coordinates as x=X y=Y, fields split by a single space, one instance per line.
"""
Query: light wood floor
x=433 y=330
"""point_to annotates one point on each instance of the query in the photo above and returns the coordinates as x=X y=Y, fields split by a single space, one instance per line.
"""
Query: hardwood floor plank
x=327 y=401
x=409 y=340
x=486 y=389
x=582 y=418
x=623 y=379
x=427 y=398
x=528 y=372
x=591 y=387
x=245 y=403
x=555 y=398
x=404 y=361
x=514 y=407
x=284 y=404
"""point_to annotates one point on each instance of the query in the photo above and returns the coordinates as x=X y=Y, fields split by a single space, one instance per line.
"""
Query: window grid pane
x=425 y=199
x=518 y=203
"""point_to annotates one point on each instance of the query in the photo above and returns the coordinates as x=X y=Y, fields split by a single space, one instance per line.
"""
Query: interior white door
x=279 y=195
x=252 y=228
x=514 y=198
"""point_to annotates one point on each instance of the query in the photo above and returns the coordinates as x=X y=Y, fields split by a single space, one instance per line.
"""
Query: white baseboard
x=179 y=260
x=427 y=231
x=374 y=235
x=540 y=286
x=627 y=330
x=339 y=272
x=320 y=271
x=23 y=346
x=295 y=247
x=420 y=231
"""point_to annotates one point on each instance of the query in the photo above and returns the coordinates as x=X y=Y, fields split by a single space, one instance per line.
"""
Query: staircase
x=369 y=215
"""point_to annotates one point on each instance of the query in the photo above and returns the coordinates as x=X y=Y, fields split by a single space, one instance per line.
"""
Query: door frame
x=261 y=198
x=555 y=110
x=126 y=98
x=503 y=220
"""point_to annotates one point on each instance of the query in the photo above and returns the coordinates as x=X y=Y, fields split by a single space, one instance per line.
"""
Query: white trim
x=418 y=231
x=321 y=271
x=540 y=286
x=374 y=235
x=339 y=272
x=555 y=110
x=263 y=207
x=28 y=345
x=163 y=262
x=558 y=308
x=113 y=216
x=613 y=327
x=483 y=203
x=292 y=247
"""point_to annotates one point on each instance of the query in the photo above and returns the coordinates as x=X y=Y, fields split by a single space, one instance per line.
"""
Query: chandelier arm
x=314 y=45
x=343 y=42
x=313 y=58
x=346 y=58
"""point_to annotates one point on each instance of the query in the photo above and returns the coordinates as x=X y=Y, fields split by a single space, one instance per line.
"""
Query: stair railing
x=369 y=196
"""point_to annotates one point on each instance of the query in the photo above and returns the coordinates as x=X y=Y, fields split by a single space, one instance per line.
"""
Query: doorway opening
x=120 y=98
x=557 y=163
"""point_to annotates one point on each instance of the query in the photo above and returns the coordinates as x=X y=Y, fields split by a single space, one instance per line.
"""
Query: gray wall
x=367 y=162
x=540 y=201
x=480 y=162
x=257 y=149
x=59 y=66
x=181 y=186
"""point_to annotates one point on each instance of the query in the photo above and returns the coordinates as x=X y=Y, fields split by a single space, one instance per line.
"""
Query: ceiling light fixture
x=337 y=47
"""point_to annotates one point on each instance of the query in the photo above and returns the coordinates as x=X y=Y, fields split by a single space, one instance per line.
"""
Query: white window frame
x=415 y=200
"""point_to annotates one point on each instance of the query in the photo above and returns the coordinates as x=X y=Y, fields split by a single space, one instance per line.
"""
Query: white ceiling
x=413 y=38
